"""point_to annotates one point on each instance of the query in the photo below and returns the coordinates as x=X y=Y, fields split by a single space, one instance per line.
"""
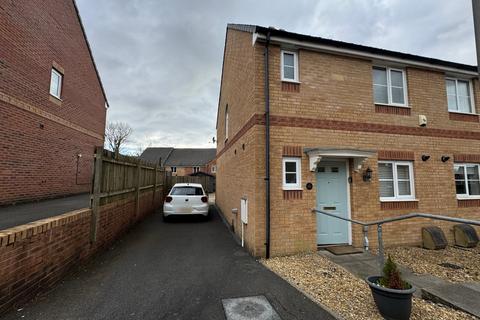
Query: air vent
x=465 y=235
x=433 y=238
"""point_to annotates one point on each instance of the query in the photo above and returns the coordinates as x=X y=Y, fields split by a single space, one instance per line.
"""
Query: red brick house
x=183 y=162
x=305 y=122
x=52 y=102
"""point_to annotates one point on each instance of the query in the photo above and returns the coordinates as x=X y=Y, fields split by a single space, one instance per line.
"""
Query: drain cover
x=249 y=308
x=450 y=265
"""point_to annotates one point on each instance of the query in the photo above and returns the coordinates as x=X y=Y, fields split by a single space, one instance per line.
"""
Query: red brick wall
x=40 y=136
x=33 y=257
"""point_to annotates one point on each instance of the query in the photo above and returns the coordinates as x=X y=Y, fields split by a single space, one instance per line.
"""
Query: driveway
x=177 y=270
x=15 y=215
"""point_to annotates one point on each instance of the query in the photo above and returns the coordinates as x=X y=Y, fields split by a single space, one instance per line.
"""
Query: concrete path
x=11 y=216
x=463 y=296
x=177 y=270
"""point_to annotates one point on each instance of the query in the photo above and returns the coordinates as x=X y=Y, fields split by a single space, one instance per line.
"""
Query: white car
x=186 y=199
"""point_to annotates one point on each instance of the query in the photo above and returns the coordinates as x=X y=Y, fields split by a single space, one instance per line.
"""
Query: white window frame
x=60 y=77
x=226 y=122
x=470 y=89
x=295 y=66
x=396 y=196
x=196 y=169
x=389 y=87
x=465 y=165
x=214 y=169
x=298 y=184
x=173 y=169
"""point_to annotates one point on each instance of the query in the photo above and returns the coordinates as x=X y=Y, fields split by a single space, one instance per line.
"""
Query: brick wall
x=33 y=257
x=41 y=136
x=333 y=107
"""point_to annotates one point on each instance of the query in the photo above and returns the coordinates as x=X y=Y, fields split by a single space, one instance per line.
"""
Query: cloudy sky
x=160 y=60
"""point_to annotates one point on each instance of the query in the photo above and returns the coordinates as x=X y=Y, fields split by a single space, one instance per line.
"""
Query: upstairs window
x=467 y=180
x=174 y=169
x=292 y=173
x=289 y=62
x=196 y=169
x=389 y=86
x=56 y=83
x=459 y=95
x=396 y=180
x=214 y=169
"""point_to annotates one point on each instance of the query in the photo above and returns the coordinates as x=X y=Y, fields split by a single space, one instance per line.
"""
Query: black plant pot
x=393 y=304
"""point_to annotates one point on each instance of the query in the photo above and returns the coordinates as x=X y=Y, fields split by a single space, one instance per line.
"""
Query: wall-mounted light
x=445 y=158
x=367 y=175
x=425 y=157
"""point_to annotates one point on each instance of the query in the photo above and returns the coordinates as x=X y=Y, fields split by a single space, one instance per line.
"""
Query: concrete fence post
x=96 y=190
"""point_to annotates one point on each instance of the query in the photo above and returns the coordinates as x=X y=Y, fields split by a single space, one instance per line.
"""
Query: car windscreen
x=187 y=191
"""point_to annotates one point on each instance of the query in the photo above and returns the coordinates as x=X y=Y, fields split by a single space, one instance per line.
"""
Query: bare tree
x=116 y=135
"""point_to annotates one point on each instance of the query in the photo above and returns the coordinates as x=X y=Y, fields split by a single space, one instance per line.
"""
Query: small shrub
x=391 y=277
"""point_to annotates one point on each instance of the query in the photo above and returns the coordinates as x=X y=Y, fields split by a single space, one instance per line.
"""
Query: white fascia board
x=356 y=53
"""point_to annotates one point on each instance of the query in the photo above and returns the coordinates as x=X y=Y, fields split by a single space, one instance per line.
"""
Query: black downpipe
x=267 y=150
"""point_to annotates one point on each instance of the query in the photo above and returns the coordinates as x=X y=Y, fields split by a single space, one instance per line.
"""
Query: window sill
x=393 y=105
x=390 y=109
x=465 y=113
x=469 y=198
x=468 y=202
x=55 y=100
x=291 y=81
x=399 y=204
x=399 y=200
x=292 y=189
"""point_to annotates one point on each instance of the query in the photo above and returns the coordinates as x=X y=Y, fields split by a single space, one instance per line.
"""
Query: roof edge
x=90 y=51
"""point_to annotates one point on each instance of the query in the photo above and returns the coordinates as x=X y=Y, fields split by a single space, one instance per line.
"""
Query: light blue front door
x=332 y=197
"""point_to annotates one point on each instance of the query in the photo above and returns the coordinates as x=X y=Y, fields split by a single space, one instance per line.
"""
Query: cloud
x=160 y=61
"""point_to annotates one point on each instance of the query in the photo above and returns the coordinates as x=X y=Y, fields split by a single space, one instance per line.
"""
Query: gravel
x=340 y=291
x=459 y=264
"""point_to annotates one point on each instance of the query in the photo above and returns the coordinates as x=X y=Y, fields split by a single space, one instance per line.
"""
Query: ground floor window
x=467 y=182
x=396 y=180
x=174 y=169
x=291 y=173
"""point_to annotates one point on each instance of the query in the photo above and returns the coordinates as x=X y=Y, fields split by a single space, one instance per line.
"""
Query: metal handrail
x=379 y=223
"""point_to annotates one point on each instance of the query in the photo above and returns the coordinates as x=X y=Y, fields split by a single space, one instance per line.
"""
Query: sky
x=161 y=60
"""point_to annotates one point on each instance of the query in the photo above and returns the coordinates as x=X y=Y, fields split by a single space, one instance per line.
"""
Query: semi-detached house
x=357 y=131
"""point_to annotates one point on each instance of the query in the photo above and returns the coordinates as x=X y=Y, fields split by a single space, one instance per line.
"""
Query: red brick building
x=183 y=162
x=360 y=132
x=52 y=103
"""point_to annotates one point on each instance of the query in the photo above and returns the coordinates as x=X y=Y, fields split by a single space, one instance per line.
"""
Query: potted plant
x=392 y=295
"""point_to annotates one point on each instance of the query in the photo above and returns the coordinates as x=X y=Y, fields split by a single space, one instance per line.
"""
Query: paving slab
x=456 y=295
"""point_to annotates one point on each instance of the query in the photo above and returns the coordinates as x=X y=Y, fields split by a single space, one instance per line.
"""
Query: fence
x=117 y=177
x=208 y=182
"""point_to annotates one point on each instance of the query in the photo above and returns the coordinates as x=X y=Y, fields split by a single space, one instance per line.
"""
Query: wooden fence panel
x=120 y=177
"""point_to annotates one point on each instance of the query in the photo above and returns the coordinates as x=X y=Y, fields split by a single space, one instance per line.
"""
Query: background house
x=358 y=131
x=183 y=162
x=52 y=102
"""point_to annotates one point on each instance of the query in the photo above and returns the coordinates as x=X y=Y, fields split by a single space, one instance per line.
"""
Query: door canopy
x=359 y=157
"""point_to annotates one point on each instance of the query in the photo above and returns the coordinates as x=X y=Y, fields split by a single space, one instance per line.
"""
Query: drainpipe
x=476 y=24
x=267 y=150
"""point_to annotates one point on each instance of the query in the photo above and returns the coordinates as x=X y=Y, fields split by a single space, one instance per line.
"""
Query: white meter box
x=244 y=210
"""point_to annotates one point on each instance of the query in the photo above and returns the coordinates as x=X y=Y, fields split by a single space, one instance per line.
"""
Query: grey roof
x=191 y=157
x=153 y=155
x=179 y=157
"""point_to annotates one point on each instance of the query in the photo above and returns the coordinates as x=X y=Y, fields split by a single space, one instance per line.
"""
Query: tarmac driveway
x=177 y=270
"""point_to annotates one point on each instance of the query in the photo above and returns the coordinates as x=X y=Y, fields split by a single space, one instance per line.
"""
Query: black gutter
x=267 y=149
x=361 y=48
